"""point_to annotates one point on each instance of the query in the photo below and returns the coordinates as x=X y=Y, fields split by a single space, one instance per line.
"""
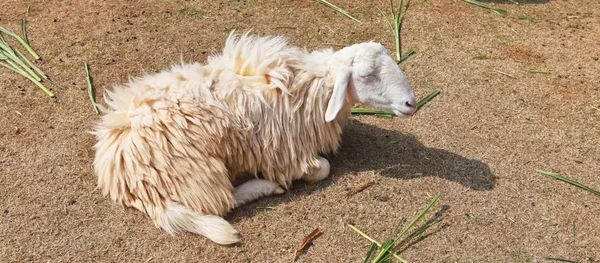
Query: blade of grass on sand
x=24 y=74
x=562 y=259
x=567 y=180
x=4 y=46
x=530 y=18
x=419 y=232
x=286 y=27
x=370 y=252
x=505 y=74
x=373 y=241
x=398 y=15
x=385 y=251
x=33 y=66
x=392 y=246
x=341 y=11
x=16 y=59
x=24 y=31
x=406 y=55
x=573 y=225
x=14 y=67
x=428 y=98
x=495 y=10
x=90 y=89
x=420 y=216
x=18 y=38
x=539 y=71
x=386 y=248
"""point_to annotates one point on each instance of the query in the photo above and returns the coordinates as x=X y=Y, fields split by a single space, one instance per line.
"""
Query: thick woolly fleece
x=169 y=144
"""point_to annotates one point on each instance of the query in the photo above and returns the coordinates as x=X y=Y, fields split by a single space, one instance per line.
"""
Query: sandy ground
x=477 y=144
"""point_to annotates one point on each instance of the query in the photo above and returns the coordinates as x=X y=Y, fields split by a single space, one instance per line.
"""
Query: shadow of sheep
x=366 y=147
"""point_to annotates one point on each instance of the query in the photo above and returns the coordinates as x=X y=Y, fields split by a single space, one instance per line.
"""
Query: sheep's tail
x=176 y=217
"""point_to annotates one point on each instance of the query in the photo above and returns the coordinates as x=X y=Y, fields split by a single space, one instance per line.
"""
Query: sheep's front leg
x=254 y=189
x=319 y=173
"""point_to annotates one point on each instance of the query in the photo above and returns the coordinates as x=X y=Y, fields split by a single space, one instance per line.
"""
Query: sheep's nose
x=412 y=104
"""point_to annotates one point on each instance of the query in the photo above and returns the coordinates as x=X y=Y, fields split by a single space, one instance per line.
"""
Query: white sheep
x=170 y=144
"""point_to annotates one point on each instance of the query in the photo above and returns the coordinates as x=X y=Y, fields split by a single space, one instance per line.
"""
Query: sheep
x=171 y=143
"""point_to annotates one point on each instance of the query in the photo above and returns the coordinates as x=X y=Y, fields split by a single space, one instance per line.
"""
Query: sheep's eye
x=368 y=75
x=365 y=71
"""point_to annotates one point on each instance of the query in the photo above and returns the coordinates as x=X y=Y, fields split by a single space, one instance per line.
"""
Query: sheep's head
x=366 y=73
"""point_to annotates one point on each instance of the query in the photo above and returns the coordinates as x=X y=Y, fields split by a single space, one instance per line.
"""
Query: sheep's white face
x=369 y=75
x=377 y=81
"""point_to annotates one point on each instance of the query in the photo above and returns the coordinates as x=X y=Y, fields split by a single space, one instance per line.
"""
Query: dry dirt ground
x=477 y=144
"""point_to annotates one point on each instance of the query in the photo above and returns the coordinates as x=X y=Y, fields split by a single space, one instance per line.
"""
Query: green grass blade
x=24 y=31
x=402 y=13
x=39 y=84
x=4 y=46
x=392 y=10
x=567 y=180
x=397 y=37
x=562 y=259
x=417 y=233
x=480 y=4
x=428 y=98
x=513 y=1
x=386 y=248
x=24 y=74
x=54 y=83
x=12 y=66
x=374 y=242
x=368 y=256
x=31 y=65
x=17 y=68
x=419 y=217
x=406 y=55
x=18 y=38
x=90 y=89
x=2 y=40
x=538 y=71
x=386 y=18
x=370 y=112
x=341 y=11
x=530 y=18
x=573 y=225
x=16 y=59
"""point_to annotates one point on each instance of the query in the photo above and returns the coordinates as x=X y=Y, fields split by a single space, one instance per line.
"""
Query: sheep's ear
x=340 y=88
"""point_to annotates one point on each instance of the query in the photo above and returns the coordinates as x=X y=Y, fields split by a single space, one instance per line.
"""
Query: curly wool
x=182 y=135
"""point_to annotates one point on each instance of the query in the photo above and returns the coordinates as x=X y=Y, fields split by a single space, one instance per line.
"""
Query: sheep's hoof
x=320 y=174
x=278 y=191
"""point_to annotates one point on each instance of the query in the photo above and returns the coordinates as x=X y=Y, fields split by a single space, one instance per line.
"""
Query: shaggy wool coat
x=182 y=135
